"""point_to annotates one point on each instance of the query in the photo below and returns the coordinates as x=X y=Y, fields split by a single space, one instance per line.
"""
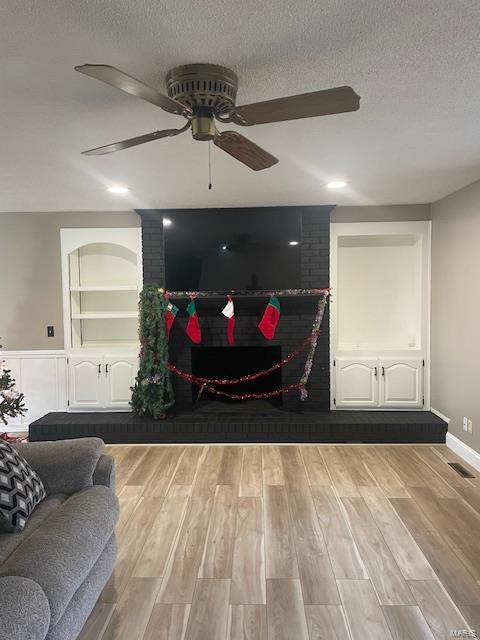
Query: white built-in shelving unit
x=102 y=278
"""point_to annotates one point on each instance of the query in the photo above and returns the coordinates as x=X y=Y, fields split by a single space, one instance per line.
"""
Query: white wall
x=456 y=310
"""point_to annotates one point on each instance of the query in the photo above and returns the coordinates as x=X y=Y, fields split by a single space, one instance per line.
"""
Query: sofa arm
x=24 y=609
x=105 y=472
x=64 y=466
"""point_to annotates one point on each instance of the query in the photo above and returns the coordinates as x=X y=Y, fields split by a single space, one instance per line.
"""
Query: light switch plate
x=465 y=424
x=470 y=426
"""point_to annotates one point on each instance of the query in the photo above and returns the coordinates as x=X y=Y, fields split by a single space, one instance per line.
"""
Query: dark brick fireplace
x=295 y=323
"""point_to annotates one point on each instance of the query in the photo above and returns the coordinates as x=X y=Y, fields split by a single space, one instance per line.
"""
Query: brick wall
x=295 y=323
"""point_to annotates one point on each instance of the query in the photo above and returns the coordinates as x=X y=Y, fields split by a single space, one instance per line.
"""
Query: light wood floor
x=292 y=543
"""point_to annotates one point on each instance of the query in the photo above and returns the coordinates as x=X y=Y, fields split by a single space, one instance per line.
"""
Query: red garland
x=248 y=378
x=245 y=396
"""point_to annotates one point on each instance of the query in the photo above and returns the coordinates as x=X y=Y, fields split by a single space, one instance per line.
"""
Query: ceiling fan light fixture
x=336 y=184
x=118 y=190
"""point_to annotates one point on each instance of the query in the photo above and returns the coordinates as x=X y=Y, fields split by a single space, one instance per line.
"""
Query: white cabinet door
x=120 y=372
x=86 y=382
x=401 y=382
x=356 y=382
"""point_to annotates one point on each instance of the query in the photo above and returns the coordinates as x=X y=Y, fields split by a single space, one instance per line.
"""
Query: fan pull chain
x=209 y=165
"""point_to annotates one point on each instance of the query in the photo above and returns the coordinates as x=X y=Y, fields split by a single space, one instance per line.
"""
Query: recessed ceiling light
x=118 y=189
x=293 y=243
x=336 y=184
x=224 y=247
x=166 y=222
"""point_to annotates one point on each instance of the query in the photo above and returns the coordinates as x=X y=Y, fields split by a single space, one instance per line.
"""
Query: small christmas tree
x=152 y=394
x=11 y=400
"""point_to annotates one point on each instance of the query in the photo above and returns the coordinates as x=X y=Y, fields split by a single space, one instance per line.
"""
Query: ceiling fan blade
x=133 y=142
x=120 y=80
x=244 y=150
x=305 y=105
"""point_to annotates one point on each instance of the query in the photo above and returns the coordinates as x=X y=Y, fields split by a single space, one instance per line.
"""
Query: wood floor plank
x=128 y=465
x=314 y=464
x=248 y=622
x=167 y=622
x=205 y=480
x=231 y=465
x=471 y=495
x=406 y=552
x=314 y=567
x=285 y=611
x=440 y=466
x=161 y=479
x=363 y=612
x=326 y=622
x=143 y=472
x=187 y=467
x=182 y=569
x=341 y=547
x=439 y=611
x=337 y=467
x=472 y=616
x=218 y=554
x=459 y=583
x=281 y=559
x=407 y=623
x=355 y=459
x=459 y=524
x=97 y=622
x=131 y=615
x=385 y=476
x=128 y=498
x=209 y=613
x=384 y=573
x=130 y=545
x=272 y=466
x=156 y=550
x=248 y=572
x=251 y=480
x=415 y=473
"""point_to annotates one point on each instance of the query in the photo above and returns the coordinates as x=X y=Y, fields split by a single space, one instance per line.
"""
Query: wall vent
x=456 y=466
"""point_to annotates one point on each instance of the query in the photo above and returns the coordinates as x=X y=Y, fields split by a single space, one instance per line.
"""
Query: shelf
x=111 y=315
x=104 y=288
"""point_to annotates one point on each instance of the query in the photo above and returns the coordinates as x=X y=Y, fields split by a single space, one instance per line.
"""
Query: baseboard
x=440 y=415
x=464 y=451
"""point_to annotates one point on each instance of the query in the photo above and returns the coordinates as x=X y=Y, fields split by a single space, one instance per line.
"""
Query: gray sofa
x=52 y=573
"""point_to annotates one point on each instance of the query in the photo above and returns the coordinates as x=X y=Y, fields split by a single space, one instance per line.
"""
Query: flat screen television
x=233 y=249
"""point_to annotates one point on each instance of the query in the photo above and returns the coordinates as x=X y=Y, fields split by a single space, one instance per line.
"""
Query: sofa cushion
x=10 y=541
x=20 y=489
x=61 y=552
x=24 y=610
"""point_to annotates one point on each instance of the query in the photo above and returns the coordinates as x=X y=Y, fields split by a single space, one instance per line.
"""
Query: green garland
x=152 y=394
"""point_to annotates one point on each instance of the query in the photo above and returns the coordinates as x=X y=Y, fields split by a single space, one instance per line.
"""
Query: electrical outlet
x=465 y=424
x=50 y=331
x=470 y=426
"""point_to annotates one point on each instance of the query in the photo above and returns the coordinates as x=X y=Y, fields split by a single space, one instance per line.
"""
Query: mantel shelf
x=104 y=288
x=110 y=315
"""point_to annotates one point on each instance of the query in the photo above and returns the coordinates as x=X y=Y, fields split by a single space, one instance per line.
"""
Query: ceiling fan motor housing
x=203 y=87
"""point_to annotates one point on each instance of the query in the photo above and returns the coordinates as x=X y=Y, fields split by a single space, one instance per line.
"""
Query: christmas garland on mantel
x=209 y=384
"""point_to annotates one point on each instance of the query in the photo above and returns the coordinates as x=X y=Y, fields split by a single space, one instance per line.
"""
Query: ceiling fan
x=203 y=93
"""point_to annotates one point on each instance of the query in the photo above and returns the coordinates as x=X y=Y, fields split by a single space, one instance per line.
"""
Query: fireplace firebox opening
x=235 y=362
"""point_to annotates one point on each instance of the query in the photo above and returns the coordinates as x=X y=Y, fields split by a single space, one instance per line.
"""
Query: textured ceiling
x=414 y=62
